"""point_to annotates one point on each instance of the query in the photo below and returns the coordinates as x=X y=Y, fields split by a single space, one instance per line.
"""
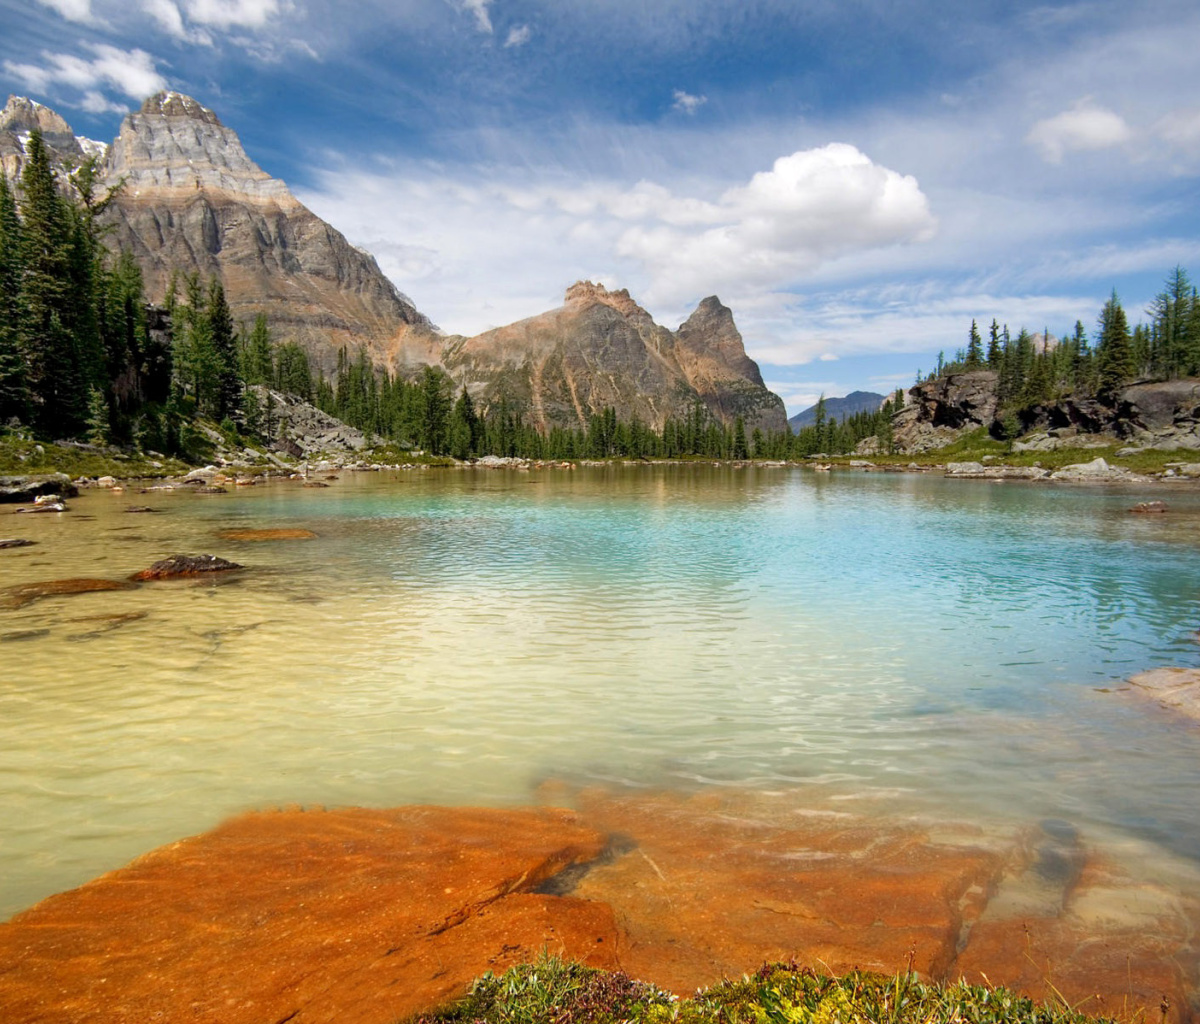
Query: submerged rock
x=1176 y=689
x=262 y=535
x=364 y=916
x=1149 y=507
x=25 y=593
x=16 y=542
x=185 y=565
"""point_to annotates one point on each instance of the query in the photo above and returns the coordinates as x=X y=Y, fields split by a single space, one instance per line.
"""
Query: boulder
x=1096 y=471
x=1149 y=507
x=185 y=565
x=21 y=489
x=15 y=542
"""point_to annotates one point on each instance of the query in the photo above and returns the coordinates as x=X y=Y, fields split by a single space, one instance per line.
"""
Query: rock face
x=1163 y=415
x=302 y=430
x=601 y=349
x=939 y=410
x=194 y=201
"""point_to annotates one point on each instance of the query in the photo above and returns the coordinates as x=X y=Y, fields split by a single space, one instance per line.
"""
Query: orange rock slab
x=358 y=916
x=713 y=889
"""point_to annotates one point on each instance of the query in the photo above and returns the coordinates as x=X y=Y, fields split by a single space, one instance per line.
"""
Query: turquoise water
x=917 y=645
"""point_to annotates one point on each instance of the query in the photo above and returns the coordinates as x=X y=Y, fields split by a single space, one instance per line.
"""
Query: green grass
x=21 y=456
x=553 y=991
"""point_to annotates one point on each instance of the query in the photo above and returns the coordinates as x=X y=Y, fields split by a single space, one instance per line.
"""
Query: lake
x=929 y=647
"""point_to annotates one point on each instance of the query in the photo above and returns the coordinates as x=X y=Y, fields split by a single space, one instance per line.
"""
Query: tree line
x=1039 y=369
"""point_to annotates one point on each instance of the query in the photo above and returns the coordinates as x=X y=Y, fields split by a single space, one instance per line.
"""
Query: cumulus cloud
x=686 y=102
x=1084 y=127
x=479 y=8
x=132 y=72
x=518 y=36
x=813 y=206
x=72 y=10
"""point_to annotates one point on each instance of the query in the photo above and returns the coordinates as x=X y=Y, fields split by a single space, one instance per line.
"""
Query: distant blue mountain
x=838 y=409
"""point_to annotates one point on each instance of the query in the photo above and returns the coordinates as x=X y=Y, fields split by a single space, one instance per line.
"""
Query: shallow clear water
x=937 y=645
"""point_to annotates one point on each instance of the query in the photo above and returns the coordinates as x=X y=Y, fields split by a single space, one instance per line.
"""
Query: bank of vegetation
x=779 y=993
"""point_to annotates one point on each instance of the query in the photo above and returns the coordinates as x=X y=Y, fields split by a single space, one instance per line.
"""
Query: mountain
x=601 y=349
x=838 y=409
x=192 y=200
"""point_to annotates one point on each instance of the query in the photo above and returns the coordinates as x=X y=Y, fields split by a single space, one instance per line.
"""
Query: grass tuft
x=553 y=991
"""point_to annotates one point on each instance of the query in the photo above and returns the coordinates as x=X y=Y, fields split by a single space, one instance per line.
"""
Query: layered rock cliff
x=601 y=349
x=194 y=201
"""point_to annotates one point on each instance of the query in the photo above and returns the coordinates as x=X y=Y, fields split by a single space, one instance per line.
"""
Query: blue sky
x=857 y=180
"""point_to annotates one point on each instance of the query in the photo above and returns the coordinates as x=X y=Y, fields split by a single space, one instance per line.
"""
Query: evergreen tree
x=14 y=399
x=464 y=427
x=994 y=352
x=258 y=365
x=974 y=359
x=1114 y=355
x=435 y=405
x=228 y=385
x=58 y=390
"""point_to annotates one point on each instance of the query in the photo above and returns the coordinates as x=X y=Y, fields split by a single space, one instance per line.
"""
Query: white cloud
x=813 y=206
x=1084 y=127
x=686 y=102
x=130 y=71
x=226 y=14
x=479 y=8
x=167 y=15
x=72 y=10
x=518 y=36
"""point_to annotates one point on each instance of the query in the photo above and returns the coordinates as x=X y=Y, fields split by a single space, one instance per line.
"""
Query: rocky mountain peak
x=174 y=143
x=586 y=293
x=711 y=336
x=22 y=114
x=176 y=104
x=20 y=117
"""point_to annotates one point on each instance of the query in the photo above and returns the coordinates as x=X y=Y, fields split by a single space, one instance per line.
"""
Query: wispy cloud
x=226 y=14
x=132 y=72
x=73 y=10
x=518 y=36
x=479 y=8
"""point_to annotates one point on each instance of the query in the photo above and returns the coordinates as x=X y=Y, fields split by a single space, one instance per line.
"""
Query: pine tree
x=994 y=352
x=228 y=390
x=14 y=398
x=1114 y=355
x=58 y=390
x=974 y=358
x=257 y=363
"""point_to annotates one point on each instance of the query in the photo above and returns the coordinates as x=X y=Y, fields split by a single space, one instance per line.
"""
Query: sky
x=856 y=179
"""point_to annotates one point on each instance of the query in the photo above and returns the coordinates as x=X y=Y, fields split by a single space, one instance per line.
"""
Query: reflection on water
x=460 y=637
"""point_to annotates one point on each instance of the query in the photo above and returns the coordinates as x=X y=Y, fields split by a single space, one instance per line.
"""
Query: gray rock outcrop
x=938 y=411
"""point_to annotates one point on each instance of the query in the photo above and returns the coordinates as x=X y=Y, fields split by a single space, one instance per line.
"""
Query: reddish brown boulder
x=185 y=565
x=354 y=916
